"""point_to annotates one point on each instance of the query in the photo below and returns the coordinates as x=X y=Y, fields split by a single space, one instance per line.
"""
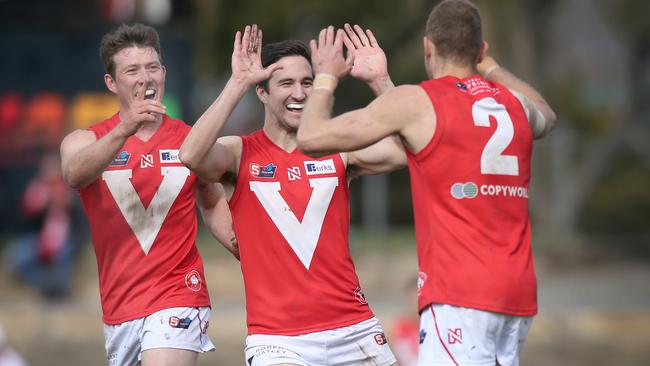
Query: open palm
x=369 y=59
x=246 y=57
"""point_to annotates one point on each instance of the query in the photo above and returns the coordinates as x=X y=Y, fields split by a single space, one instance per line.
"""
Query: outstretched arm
x=371 y=66
x=540 y=115
x=201 y=151
x=319 y=134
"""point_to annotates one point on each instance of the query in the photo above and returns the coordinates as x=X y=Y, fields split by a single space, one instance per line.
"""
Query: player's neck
x=442 y=69
x=282 y=137
x=148 y=129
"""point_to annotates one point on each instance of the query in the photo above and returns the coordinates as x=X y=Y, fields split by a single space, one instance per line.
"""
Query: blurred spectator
x=8 y=357
x=43 y=257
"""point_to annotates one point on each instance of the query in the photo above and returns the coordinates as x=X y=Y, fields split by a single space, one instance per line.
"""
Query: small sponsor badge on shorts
x=380 y=338
x=176 y=322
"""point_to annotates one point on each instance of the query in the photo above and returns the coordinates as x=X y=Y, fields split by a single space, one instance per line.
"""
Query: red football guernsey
x=470 y=200
x=142 y=218
x=291 y=216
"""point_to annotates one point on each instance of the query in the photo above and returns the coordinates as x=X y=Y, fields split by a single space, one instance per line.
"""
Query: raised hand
x=369 y=60
x=139 y=111
x=327 y=53
x=246 y=57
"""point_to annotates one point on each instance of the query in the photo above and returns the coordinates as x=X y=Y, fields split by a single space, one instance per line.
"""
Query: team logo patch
x=259 y=171
x=176 y=322
x=464 y=190
x=455 y=336
x=380 y=338
x=422 y=278
x=169 y=156
x=146 y=161
x=358 y=294
x=293 y=173
x=320 y=167
x=193 y=280
x=121 y=159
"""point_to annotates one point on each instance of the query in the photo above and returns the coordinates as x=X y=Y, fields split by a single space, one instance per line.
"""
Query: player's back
x=470 y=198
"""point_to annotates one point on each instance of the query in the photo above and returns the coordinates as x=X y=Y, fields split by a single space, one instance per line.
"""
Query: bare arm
x=201 y=151
x=385 y=156
x=319 y=134
x=84 y=158
x=541 y=117
x=371 y=66
x=215 y=213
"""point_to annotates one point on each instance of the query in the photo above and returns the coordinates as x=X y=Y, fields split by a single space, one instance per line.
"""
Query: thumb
x=271 y=69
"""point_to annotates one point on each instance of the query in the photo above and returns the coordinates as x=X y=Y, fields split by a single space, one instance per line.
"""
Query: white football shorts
x=181 y=328
x=452 y=336
x=362 y=343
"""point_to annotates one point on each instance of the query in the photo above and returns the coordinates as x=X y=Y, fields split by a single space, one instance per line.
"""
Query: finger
x=259 y=41
x=373 y=40
x=348 y=43
x=338 y=40
x=362 y=35
x=321 y=37
x=253 y=41
x=352 y=36
x=313 y=46
x=330 y=35
x=246 y=38
x=237 y=46
x=139 y=92
x=271 y=69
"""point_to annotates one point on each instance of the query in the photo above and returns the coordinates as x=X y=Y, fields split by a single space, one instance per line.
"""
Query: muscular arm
x=84 y=158
x=201 y=152
x=213 y=204
x=385 y=156
x=541 y=117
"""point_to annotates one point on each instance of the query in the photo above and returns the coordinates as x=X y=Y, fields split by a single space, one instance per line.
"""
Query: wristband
x=325 y=81
x=489 y=70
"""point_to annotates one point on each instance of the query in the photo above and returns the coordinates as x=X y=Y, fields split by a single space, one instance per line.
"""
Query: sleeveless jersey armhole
x=238 y=180
x=429 y=89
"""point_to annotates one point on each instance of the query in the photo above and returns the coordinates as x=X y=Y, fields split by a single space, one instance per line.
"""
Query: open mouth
x=295 y=107
x=150 y=94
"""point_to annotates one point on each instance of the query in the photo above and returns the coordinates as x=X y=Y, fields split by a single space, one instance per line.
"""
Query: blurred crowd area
x=589 y=191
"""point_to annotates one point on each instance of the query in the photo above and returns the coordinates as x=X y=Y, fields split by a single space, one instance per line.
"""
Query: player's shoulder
x=176 y=124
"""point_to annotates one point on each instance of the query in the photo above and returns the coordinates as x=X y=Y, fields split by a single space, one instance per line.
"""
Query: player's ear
x=427 y=46
x=482 y=54
x=262 y=94
x=110 y=83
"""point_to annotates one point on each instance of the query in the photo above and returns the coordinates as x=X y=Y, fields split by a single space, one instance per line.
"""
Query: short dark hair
x=455 y=28
x=272 y=52
x=125 y=36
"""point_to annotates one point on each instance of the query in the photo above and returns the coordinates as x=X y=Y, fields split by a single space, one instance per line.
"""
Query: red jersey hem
x=482 y=307
x=300 y=331
x=126 y=318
